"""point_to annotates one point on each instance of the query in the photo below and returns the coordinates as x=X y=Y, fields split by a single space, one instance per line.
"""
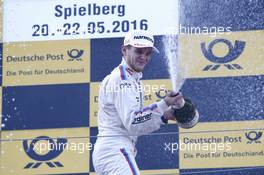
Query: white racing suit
x=121 y=119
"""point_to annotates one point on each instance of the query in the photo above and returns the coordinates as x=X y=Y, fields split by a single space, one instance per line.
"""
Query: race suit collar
x=136 y=75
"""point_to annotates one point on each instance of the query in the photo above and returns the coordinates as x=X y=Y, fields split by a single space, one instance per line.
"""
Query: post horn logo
x=233 y=53
x=44 y=158
x=161 y=93
x=75 y=54
x=253 y=137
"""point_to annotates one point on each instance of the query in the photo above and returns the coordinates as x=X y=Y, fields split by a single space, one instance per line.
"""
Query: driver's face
x=137 y=58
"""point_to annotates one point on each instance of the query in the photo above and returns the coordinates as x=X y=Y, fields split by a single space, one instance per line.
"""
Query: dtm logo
x=233 y=53
x=53 y=150
x=253 y=137
x=75 y=54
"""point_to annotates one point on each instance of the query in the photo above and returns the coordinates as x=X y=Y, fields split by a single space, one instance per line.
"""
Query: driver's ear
x=123 y=50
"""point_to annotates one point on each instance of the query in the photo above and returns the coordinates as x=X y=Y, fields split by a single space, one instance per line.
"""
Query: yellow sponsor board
x=155 y=172
x=222 y=144
x=52 y=151
x=46 y=62
x=154 y=90
x=94 y=93
x=1 y=21
x=225 y=55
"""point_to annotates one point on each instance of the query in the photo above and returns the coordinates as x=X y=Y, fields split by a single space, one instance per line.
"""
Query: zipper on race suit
x=140 y=88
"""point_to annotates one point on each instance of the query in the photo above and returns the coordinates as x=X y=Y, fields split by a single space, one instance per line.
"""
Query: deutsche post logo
x=75 y=54
x=161 y=93
x=253 y=137
x=233 y=53
x=52 y=150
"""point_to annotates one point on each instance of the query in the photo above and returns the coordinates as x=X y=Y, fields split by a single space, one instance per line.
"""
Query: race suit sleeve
x=138 y=121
